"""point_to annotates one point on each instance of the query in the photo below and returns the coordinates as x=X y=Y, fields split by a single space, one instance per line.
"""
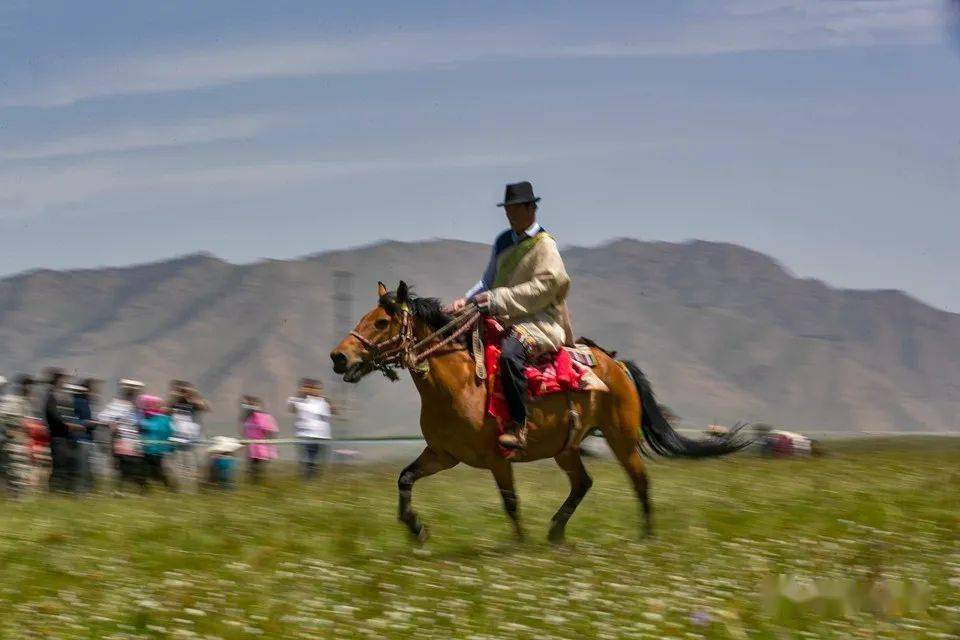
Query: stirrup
x=517 y=439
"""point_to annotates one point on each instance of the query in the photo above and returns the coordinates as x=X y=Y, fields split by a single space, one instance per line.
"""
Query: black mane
x=430 y=310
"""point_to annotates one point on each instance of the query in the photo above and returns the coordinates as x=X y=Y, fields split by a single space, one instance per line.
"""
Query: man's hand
x=482 y=300
x=456 y=306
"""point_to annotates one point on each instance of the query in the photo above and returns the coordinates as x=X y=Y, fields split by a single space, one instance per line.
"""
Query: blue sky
x=822 y=132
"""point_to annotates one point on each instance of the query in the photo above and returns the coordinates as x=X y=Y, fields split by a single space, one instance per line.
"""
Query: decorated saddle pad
x=582 y=354
x=567 y=370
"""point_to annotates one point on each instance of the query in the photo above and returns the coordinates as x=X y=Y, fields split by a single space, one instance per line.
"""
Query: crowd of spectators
x=54 y=435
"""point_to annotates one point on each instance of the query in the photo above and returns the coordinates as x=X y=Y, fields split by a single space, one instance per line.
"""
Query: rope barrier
x=389 y=439
x=246 y=441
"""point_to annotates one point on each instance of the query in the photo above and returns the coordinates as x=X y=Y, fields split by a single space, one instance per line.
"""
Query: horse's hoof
x=556 y=535
x=422 y=535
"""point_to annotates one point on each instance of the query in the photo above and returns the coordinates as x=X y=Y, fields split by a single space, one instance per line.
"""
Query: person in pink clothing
x=257 y=424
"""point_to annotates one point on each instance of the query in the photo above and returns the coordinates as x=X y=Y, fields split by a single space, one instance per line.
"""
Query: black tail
x=664 y=440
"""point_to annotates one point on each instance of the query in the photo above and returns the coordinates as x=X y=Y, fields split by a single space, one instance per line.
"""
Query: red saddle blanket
x=552 y=373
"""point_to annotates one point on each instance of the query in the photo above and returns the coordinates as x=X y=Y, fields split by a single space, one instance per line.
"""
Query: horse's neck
x=420 y=329
x=445 y=371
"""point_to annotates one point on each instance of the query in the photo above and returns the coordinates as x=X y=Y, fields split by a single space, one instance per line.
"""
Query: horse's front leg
x=503 y=474
x=429 y=463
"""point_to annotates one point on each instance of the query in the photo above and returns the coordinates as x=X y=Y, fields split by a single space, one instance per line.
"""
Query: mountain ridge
x=724 y=332
x=611 y=242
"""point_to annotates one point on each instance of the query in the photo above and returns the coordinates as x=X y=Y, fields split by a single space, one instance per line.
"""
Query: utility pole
x=342 y=302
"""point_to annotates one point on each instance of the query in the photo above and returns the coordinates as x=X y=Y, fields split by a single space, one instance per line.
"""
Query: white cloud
x=880 y=20
x=720 y=27
x=789 y=25
x=81 y=186
x=144 y=137
x=35 y=190
x=183 y=70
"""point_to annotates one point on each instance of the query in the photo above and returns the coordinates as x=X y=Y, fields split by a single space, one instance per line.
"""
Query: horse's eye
x=381 y=324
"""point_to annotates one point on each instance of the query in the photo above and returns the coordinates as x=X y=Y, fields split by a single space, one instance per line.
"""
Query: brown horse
x=457 y=428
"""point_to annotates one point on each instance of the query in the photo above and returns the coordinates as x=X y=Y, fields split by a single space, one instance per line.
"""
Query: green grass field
x=862 y=543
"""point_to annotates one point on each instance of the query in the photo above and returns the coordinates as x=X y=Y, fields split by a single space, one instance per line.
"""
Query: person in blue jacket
x=156 y=429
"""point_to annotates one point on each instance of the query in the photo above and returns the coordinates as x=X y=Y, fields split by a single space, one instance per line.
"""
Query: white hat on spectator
x=223 y=444
x=131 y=384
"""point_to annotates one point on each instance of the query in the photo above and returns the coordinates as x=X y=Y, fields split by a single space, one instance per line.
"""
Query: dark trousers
x=130 y=470
x=255 y=470
x=153 y=470
x=5 y=465
x=513 y=362
x=63 y=465
x=314 y=457
x=83 y=466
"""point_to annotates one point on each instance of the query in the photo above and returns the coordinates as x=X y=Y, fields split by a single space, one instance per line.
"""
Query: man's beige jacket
x=533 y=297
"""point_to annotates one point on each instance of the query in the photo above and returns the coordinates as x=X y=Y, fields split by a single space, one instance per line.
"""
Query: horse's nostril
x=339 y=360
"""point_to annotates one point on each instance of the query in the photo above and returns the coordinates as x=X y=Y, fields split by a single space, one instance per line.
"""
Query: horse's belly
x=474 y=441
x=481 y=450
x=469 y=446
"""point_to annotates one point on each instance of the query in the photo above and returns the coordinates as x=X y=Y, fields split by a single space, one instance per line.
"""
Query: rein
x=402 y=352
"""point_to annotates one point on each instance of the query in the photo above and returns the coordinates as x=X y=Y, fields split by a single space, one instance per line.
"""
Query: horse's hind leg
x=580 y=482
x=428 y=463
x=628 y=453
x=503 y=475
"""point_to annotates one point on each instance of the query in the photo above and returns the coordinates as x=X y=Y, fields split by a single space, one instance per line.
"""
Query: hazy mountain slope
x=725 y=333
x=897 y=330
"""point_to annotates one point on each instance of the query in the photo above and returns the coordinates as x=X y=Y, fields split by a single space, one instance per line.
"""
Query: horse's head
x=376 y=334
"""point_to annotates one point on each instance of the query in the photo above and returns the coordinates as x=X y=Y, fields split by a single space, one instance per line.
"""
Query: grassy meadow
x=864 y=542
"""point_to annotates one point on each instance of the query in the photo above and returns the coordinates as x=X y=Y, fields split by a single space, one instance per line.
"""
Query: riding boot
x=514 y=436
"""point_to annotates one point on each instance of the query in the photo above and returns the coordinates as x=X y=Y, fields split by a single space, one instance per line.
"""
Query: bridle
x=403 y=351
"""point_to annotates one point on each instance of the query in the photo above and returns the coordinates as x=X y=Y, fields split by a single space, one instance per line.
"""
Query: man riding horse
x=524 y=286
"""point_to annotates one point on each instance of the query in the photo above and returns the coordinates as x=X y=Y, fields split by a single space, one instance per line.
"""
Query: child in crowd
x=312 y=425
x=221 y=462
x=16 y=469
x=156 y=429
x=257 y=425
x=186 y=407
x=123 y=419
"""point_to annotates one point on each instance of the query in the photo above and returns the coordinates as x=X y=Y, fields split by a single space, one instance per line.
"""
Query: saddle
x=568 y=370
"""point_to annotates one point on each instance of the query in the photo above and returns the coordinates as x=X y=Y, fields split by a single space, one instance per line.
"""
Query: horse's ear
x=381 y=289
x=403 y=293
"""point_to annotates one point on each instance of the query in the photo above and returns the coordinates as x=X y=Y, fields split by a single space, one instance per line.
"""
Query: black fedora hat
x=518 y=193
